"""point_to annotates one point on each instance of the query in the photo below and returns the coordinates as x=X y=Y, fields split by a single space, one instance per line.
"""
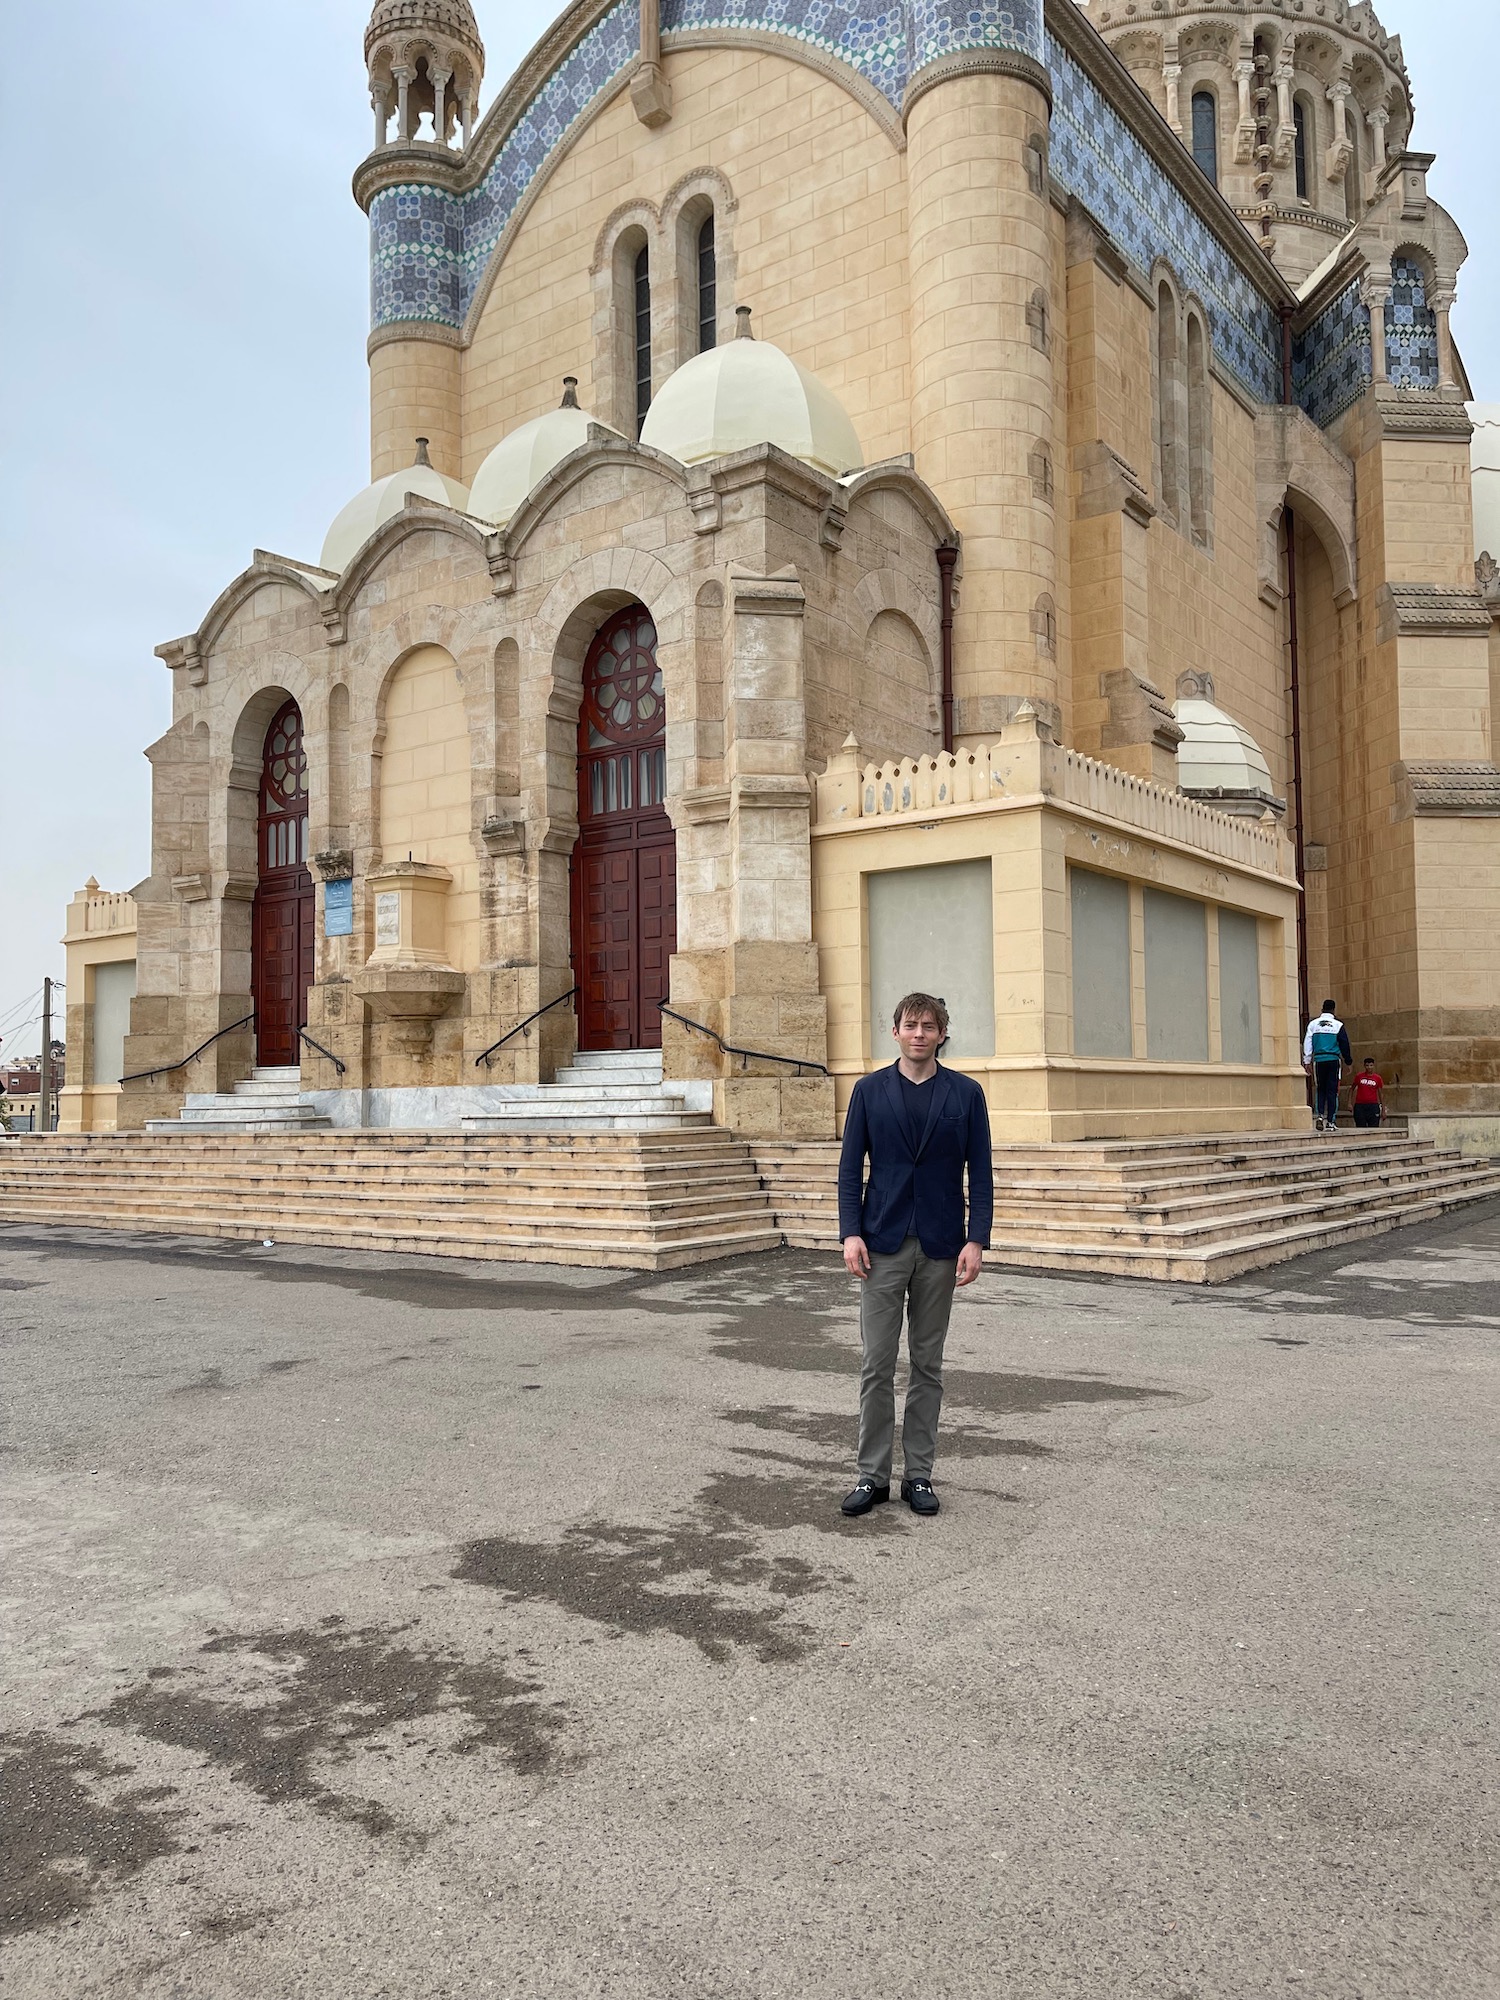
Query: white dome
x=353 y=525
x=745 y=393
x=525 y=456
x=1216 y=754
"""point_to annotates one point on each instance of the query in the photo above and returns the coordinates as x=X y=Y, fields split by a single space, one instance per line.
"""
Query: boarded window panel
x=1101 y=964
x=933 y=930
x=1239 y=987
x=1176 y=978
x=114 y=989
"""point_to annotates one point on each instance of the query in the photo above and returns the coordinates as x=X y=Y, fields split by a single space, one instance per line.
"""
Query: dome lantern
x=424 y=58
x=370 y=509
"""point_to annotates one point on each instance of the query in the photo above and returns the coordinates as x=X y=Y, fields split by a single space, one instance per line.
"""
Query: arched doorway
x=281 y=931
x=625 y=863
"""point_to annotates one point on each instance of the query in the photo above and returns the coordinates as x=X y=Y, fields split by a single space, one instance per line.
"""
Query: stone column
x=380 y=104
x=403 y=102
x=1377 y=120
x=1171 y=79
x=439 y=81
x=981 y=360
x=1376 y=297
x=1442 y=305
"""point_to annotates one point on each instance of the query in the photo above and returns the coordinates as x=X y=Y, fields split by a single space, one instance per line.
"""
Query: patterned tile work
x=1411 y=355
x=943 y=27
x=1096 y=158
x=1331 y=359
x=429 y=249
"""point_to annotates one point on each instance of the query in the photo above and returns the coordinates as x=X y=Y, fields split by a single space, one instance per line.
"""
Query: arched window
x=1303 y=125
x=1200 y=429
x=708 y=286
x=1206 y=133
x=1169 y=442
x=642 y=336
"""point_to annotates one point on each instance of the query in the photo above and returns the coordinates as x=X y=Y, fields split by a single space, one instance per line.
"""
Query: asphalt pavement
x=417 y=1629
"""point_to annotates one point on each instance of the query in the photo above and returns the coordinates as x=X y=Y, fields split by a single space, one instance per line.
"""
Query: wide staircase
x=643 y=1200
x=1199 y=1210
x=607 y=1090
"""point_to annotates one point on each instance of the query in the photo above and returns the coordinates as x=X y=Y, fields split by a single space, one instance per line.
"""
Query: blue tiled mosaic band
x=1411 y=351
x=953 y=27
x=429 y=249
x=1331 y=358
x=1097 y=158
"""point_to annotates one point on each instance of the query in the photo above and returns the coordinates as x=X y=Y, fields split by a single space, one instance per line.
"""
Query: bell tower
x=425 y=62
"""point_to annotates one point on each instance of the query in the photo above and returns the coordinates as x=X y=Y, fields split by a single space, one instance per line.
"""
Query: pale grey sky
x=184 y=379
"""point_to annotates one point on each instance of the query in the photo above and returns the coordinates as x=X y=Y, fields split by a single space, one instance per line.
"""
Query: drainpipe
x=947 y=557
x=1294 y=666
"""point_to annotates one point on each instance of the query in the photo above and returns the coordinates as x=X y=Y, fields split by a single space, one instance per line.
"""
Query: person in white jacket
x=1325 y=1050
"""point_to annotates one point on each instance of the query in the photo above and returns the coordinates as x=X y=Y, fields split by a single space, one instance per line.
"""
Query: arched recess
x=337 y=812
x=893 y=703
x=630 y=242
x=270 y=783
x=1170 y=400
x=701 y=200
x=1199 y=387
x=423 y=784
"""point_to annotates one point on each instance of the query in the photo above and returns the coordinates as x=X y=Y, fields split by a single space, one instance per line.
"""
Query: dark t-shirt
x=915 y=1098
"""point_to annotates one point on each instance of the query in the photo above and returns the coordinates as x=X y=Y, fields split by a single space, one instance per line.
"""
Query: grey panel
x=1101 y=963
x=1239 y=987
x=933 y=930
x=1176 y=978
x=114 y=989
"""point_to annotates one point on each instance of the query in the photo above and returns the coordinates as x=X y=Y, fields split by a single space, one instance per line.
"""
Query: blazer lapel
x=892 y=1079
x=937 y=1092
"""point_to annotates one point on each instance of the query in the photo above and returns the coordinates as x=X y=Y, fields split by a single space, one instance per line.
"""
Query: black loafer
x=919 y=1496
x=865 y=1496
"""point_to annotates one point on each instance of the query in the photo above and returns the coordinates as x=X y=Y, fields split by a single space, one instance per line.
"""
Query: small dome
x=405 y=18
x=745 y=393
x=1216 y=754
x=353 y=525
x=525 y=456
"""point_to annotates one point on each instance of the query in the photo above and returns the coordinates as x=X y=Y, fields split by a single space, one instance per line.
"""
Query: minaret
x=425 y=62
x=982 y=338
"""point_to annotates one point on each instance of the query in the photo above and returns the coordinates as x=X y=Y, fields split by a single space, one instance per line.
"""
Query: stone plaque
x=388 y=918
x=338 y=908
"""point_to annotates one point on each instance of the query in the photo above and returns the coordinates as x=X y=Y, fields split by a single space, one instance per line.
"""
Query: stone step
x=574 y=1078
x=592 y=1115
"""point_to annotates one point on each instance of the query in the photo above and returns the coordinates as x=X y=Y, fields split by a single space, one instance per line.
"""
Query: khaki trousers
x=922 y=1287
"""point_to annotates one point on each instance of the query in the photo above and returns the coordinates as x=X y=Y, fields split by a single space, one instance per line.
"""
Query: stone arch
x=697 y=196
x=891 y=590
x=632 y=227
x=266 y=572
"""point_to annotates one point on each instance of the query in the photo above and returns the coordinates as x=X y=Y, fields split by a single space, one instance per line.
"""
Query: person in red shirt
x=1369 y=1095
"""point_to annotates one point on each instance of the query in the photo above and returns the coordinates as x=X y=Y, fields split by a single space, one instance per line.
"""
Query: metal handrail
x=166 y=1069
x=485 y=1054
x=304 y=1036
x=800 y=1063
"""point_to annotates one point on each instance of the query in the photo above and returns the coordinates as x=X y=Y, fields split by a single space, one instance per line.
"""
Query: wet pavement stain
x=19 y=1284
x=207 y=1382
x=1000 y=1394
x=809 y=1502
x=66 y=1840
x=336 y=1691
x=621 y=1576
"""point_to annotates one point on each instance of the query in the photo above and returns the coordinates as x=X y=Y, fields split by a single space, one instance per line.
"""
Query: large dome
x=746 y=393
x=525 y=456
x=353 y=525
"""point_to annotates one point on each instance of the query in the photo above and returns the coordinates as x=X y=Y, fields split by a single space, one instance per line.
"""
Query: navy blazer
x=917 y=1192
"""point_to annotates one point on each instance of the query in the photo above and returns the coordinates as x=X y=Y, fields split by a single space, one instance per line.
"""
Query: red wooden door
x=281 y=919
x=625 y=863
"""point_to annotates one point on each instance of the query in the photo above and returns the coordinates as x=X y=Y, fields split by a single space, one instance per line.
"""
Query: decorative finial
x=92 y=885
x=742 y=330
x=570 y=393
x=421 y=457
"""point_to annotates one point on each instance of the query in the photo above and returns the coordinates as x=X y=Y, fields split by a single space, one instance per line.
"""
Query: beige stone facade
x=1087 y=486
x=100 y=947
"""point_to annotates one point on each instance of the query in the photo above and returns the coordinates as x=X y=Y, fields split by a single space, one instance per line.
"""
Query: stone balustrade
x=1025 y=766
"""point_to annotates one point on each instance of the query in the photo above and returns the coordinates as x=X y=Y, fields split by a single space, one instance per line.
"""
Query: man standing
x=905 y=1236
x=1325 y=1050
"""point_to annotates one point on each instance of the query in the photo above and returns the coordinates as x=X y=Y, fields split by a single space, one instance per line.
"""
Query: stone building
x=976 y=497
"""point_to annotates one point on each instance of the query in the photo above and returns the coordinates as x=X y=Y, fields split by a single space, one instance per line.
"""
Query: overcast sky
x=185 y=312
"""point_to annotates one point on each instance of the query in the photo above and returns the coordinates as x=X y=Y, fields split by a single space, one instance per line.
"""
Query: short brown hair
x=914 y=1005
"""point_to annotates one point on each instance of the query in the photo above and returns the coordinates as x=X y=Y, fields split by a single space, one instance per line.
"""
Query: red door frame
x=282 y=917
x=624 y=872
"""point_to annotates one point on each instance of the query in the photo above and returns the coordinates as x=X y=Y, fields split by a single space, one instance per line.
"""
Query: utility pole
x=46 y=1107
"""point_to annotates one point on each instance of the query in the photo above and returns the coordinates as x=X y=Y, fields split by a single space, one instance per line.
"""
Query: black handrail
x=800 y=1063
x=304 y=1036
x=485 y=1054
x=166 y=1069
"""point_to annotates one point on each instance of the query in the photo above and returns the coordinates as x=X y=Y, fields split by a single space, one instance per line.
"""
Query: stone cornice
x=1423 y=791
x=1430 y=416
x=976 y=62
x=1429 y=610
x=434 y=330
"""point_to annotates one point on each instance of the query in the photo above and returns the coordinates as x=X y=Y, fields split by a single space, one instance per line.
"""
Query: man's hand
x=969 y=1260
x=856 y=1257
